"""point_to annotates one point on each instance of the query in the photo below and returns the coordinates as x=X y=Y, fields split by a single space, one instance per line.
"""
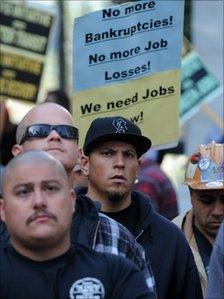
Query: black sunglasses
x=43 y=130
x=208 y=199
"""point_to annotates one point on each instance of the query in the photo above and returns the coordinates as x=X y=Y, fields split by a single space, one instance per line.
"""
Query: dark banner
x=24 y=27
x=20 y=76
x=197 y=84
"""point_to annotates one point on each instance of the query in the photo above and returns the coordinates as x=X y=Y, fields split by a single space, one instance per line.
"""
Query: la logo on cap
x=120 y=125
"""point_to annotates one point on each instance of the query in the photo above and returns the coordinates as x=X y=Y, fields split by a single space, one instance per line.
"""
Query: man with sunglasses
x=49 y=127
x=204 y=177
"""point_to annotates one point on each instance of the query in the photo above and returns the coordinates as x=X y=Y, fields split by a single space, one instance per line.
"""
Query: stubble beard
x=115 y=196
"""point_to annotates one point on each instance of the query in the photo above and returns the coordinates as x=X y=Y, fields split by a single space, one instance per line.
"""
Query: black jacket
x=173 y=265
x=78 y=273
x=85 y=222
x=98 y=232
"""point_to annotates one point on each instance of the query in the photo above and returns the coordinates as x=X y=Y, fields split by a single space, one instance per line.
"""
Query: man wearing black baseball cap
x=112 y=150
x=118 y=129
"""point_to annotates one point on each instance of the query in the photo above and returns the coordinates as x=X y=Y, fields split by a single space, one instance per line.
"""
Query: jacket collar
x=87 y=207
x=85 y=221
x=146 y=212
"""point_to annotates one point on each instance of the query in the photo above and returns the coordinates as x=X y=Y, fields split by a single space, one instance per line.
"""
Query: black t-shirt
x=204 y=246
x=79 y=273
x=129 y=216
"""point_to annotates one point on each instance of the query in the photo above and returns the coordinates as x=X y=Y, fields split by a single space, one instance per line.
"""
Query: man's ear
x=137 y=169
x=72 y=198
x=139 y=162
x=17 y=149
x=2 y=210
x=85 y=165
x=79 y=155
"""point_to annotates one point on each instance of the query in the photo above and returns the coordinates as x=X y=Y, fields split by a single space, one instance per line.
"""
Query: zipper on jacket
x=95 y=234
x=139 y=235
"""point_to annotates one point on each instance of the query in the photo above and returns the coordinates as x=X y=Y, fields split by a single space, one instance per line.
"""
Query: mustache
x=38 y=214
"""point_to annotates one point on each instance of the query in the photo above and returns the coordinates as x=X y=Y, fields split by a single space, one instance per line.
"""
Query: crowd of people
x=102 y=237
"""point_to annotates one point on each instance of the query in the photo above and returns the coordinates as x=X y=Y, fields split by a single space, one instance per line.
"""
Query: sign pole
x=212 y=115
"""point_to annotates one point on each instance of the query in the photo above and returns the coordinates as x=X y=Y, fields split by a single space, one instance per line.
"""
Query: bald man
x=49 y=127
x=39 y=261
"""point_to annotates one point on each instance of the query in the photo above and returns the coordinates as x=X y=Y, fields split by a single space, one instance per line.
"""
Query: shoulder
x=86 y=254
x=4 y=234
x=156 y=223
x=110 y=225
x=114 y=238
x=115 y=229
x=217 y=256
x=167 y=228
x=220 y=232
x=219 y=239
x=179 y=220
x=101 y=257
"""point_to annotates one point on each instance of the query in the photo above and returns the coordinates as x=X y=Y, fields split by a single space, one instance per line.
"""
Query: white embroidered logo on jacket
x=87 y=288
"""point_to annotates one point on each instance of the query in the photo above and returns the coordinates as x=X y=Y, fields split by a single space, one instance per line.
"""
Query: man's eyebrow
x=31 y=183
x=106 y=147
x=50 y=182
x=111 y=147
x=130 y=149
x=25 y=184
x=103 y=147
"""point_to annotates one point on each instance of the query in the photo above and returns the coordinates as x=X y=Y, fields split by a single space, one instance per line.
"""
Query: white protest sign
x=127 y=62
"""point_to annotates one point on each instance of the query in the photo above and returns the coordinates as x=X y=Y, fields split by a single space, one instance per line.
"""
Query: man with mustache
x=204 y=177
x=40 y=262
x=112 y=150
x=49 y=127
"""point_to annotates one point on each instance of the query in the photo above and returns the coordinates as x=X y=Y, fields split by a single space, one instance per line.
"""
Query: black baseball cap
x=115 y=128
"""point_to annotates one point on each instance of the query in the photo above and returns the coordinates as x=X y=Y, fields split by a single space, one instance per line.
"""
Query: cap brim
x=141 y=143
x=205 y=186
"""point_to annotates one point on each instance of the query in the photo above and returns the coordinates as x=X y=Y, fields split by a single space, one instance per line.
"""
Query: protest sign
x=24 y=35
x=19 y=76
x=127 y=62
x=24 y=27
x=198 y=84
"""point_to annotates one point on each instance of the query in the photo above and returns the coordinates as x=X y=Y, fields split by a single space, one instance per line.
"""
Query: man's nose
x=218 y=208
x=119 y=160
x=39 y=199
x=54 y=135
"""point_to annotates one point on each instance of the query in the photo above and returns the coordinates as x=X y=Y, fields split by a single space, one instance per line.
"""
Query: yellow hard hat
x=205 y=168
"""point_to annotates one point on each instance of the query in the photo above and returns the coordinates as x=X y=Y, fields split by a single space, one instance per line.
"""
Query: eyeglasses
x=208 y=199
x=43 y=130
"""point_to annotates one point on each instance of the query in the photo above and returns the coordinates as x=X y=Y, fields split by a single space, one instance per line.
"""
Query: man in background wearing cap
x=112 y=148
x=204 y=177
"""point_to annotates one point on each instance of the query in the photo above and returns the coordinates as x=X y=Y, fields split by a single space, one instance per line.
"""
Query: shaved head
x=40 y=111
x=37 y=205
x=31 y=158
x=63 y=149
